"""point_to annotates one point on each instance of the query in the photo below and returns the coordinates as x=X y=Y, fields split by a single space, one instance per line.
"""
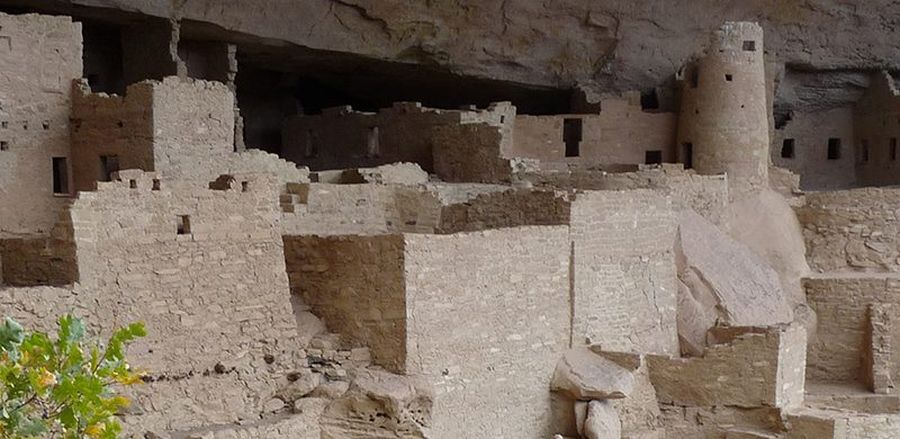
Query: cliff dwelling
x=343 y=219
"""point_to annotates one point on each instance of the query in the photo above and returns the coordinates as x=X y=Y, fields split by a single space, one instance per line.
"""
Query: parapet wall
x=852 y=230
x=39 y=57
x=802 y=147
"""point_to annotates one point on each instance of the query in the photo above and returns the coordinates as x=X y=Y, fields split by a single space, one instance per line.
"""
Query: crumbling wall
x=514 y=207
x=624 y=271
x=180 y=127
x=706 y=194
x=46 y=260
x=852 y=230
x=471 y=153
x=39 y=57
x=621 y=133
x=110 y=126
x=802 y=147
x=751 y=367
x=877 y=127
x=355 y=284
x=488 y=318
x=343 y=138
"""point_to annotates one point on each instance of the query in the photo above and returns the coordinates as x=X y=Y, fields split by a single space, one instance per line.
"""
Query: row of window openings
x=45 y=125
x=834 y=149
x=573 y=134
x=373 y=144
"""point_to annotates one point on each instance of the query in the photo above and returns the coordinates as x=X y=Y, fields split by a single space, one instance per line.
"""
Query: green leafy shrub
x=62 y=387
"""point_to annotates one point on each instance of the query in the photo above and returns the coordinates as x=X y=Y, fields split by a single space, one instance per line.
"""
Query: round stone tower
x=723 y=125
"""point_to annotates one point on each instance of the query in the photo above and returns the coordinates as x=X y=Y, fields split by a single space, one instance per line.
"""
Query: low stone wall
x=852 y=230
x=751 y=367
x=38 y=261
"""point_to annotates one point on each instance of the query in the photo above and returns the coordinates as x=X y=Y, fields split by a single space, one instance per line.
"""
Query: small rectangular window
x=750 y=46
x=653 y=157
x=4 y=145
x=787 y=149
x=183 y=224
x=60 y=175
x=311 y=148
x=156 y=184
x=695 y=77
x=864 y=150
x=109 y=164
x=729 y=77
x=373 y=147
x=834 y=148
x=572 y=135
x=893 y=148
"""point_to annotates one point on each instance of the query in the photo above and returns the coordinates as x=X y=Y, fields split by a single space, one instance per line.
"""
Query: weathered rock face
x=559 y=44
x=584 y=375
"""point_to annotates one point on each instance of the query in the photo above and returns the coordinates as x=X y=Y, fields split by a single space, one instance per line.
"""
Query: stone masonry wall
x=39 y=57
x=355 y=285
x=841 y=303
x=877 y=127
x=852 y=230
x=212 y=292
x=471 y=153
x=506 y=209
x=343 y=138
x=810 y=134
x=621 y=133
x=752 y=367
x=624 y=271
x=488 y=318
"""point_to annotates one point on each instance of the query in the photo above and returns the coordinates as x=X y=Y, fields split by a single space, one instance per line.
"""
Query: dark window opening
x=750 y=46
x=864 y=151
x=183 y=224
x=649 y=100
x=893 y=148
x=4 y=145
x=834 y=148
x=109 y=164
x=312 y=148
x=787 y=149
x=373 y=148
x=653 y=157
x=132 y=184
x=60 y=175
x=695 y=77
x=687 y=155
x=156 y=184
x=245 y=186
x=729 y=77
x=572 y=134
x=45 y=124
x=502 y=118
x=4 y=124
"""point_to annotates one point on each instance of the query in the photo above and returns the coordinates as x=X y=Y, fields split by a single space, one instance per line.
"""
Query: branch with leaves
x=63 y=388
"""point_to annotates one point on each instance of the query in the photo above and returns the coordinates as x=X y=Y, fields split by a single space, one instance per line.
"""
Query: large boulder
x=726 y=277
x=602 y=421
x=584 y=375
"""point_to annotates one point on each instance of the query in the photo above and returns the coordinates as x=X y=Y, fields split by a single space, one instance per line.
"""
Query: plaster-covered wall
x=620 y=134
x=810 y=133
x=39 y=57
x=877 y=119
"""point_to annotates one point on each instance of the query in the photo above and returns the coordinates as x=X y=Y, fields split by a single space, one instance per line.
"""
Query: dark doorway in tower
x=653 y=157
x=687 y=155
x=572 y=136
